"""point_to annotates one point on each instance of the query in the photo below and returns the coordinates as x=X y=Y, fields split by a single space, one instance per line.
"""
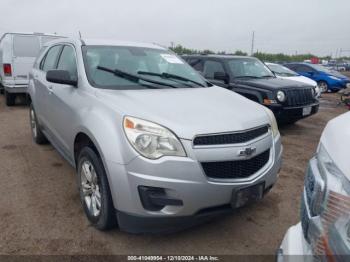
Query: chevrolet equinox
x=156 y=147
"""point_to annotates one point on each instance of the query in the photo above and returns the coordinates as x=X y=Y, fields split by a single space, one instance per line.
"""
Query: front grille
x=299 y=97
x=236 y=169
x=233 y=138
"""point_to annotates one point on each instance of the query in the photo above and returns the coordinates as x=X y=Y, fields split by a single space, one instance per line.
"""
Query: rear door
x=25 y=50
x=43 y=88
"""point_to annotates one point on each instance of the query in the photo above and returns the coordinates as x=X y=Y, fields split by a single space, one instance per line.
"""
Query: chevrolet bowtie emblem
x=247 y=151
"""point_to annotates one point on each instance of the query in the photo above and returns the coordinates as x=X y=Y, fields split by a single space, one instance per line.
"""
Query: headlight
x=151 y=140
x=273 y=123
x=334 y=78
x=328 y=206
x=317 y=91
x=281 y=96
x=326 y=164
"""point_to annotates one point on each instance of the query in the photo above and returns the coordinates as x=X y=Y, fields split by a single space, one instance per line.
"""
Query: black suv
x=248 y=76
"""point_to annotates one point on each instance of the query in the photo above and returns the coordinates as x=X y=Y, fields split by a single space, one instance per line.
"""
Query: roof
x=114 y=42
x=220 y=56
x=30 y=33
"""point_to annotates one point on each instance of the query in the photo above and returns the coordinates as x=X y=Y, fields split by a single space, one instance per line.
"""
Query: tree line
x=181 y=50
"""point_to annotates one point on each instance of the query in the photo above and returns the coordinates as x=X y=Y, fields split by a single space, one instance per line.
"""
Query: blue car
x=328 y=80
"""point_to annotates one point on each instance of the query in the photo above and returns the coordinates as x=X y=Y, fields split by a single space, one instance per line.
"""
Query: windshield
x=161 y=67
x=248 y=67
x=281 y=70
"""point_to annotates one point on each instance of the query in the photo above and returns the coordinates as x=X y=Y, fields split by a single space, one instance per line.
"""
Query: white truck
x=17 y=55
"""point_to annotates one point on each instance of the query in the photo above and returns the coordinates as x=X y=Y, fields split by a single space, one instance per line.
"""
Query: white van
x=17 y=54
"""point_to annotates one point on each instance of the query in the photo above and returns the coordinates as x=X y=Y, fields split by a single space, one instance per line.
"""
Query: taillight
x=7 y=70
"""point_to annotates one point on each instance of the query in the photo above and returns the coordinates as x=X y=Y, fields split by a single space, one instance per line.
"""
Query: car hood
x=272 y=83
x=336 y=139
x=301 y=79
x=188 y=111
x=338 y=75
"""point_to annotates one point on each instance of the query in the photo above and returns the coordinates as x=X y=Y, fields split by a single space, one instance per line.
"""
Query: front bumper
x=182 y=178
x=294 y=247
x=285 y=114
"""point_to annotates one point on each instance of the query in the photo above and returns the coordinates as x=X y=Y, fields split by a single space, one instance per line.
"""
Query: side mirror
x=311 y=73
x=60 y=77
x=221 y=76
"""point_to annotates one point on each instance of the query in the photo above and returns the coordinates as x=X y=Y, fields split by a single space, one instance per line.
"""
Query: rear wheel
x=10 y=98
x=94 y=190
x=323 y=86
x=37 y=135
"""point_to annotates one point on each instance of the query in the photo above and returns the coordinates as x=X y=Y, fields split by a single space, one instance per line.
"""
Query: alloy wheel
x=33 y=123
x=90 y=188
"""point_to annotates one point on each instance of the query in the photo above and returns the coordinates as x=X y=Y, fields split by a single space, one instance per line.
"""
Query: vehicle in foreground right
x=324 y=231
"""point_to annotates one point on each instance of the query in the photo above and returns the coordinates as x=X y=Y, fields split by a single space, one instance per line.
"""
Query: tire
x=94 y=191
x=10 y=98
x=37 y=134
x=323 y=86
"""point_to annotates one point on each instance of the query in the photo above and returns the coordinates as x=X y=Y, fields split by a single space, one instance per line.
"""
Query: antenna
x=80 y=35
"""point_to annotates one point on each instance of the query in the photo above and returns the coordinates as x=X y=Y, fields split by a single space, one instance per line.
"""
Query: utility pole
x=253 y=40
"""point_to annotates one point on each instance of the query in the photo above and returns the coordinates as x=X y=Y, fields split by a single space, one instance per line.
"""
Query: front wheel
x=94 y=190
x=323 y=86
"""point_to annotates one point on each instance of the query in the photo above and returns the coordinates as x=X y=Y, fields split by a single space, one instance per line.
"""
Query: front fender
x=105 y=129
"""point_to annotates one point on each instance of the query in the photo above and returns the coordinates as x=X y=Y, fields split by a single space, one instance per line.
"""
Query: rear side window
x=50 y=59
x=26 y=46
x=68 y=62
x=196 y=64
x=212 y=67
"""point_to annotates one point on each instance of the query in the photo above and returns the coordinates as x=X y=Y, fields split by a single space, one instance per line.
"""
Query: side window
x=212 y=67
x=49 y=62
x=68 y=62
x=197 y=64
x=38 y=61
x=304 y=69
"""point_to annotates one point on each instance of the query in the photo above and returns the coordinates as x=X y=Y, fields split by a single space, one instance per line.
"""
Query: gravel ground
x=41 y=214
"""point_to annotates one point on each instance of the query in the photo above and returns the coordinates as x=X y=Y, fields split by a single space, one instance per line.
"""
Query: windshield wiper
x=170 y=76
x=131 y=77
x=237 y=77
x=266 y=76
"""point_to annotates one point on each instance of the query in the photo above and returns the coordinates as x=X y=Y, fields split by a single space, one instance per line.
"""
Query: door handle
x=50 y=88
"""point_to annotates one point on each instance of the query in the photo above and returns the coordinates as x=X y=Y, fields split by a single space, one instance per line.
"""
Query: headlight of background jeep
x=151 y=140
x=281 y=96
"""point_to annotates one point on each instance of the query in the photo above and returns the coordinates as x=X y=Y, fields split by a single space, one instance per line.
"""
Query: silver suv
x=155 y=146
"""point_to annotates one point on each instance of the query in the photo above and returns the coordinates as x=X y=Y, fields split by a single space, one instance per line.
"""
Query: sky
x=321 y=27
